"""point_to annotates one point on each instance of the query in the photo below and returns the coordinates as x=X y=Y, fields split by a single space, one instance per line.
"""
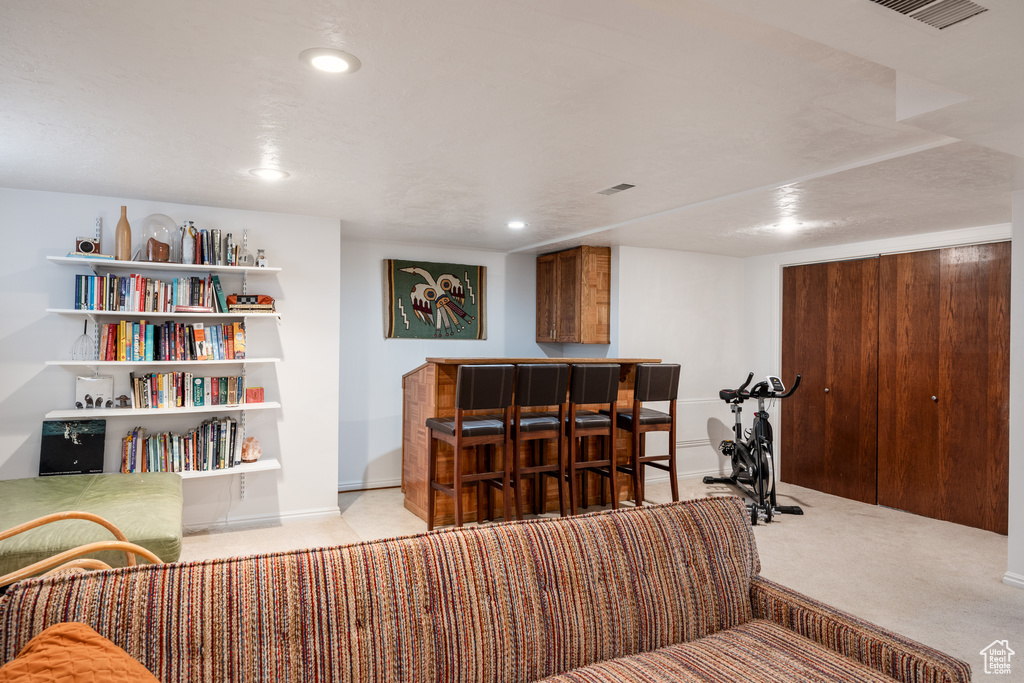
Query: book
x=254 y=394
x=98 y=257
x=222 y=304
x=72 y=447
x=239 y=336
x=199 y=333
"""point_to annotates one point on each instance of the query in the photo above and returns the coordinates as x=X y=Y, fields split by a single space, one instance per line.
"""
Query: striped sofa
x=660 y=593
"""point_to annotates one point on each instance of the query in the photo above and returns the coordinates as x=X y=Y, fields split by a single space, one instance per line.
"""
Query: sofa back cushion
x=505 y=602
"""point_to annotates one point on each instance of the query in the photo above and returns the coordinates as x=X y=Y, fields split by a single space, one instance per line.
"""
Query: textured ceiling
x=468 y=113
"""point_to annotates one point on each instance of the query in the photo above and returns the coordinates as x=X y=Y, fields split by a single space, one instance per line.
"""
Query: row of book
x=137 y=292
x=213 y=445
x=143 y=341
x=212 y=250
x=185 y=390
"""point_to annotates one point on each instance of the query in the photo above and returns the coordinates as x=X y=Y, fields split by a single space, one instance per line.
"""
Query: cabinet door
x=830 y=337
x=546 y=299
x=569 y=280
x=943 y=388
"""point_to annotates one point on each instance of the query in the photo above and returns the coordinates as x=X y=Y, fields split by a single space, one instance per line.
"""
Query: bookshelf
x=149 y=314
x=121 y=368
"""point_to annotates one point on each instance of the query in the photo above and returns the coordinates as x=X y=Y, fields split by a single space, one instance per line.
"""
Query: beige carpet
x=936 y=582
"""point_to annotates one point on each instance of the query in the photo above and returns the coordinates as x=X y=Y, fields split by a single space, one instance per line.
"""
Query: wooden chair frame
x=483 y=479
x=539 y=470
x=66 y=560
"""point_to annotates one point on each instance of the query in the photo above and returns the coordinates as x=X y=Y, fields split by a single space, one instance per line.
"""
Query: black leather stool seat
x=648 y=416
x=472 y=425
x=538 y=421
x=588 y=419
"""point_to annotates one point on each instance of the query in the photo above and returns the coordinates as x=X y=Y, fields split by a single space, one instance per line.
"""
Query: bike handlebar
x=741 y=394
x=796 y=383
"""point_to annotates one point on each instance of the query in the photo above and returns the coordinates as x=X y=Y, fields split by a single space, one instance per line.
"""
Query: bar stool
x=477 y=387
x=653 y=382
x=592 y=384
x=539 y=384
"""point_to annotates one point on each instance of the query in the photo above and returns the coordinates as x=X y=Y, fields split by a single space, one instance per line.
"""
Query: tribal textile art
x=424 y=300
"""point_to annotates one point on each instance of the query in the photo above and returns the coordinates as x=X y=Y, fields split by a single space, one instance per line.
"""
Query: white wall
x=303 y=434
x=763 y=308
x=1015 y=551
x=370 y=428
x=682 y=307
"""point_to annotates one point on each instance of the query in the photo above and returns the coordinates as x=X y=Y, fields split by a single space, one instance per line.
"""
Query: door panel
x=830 y=337
x=546 y=301
x=907 y=372
x=570 y=277
x=851 y=406
x=947 y=457
x=804 y=352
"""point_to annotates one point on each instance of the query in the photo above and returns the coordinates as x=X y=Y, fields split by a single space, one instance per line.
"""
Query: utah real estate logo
x=997 y=657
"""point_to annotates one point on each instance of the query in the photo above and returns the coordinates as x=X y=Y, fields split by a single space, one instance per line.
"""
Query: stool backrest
x=541 y=384
x=656 y=382
x=594 y=383
x=484 y=387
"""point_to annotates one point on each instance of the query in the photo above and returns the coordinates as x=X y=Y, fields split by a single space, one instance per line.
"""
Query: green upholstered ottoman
x=145 y=507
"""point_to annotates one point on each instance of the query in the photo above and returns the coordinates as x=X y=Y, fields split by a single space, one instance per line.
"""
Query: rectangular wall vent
x=617 y=188
x=938 y=13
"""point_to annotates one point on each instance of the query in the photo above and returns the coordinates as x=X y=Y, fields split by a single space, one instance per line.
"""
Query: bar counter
x=429 y=391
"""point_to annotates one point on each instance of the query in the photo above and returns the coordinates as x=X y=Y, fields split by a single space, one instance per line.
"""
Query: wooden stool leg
x=481 y=490
x=643 y=454
x=613 y=482
x=457 y=480
x=638 y=474
x=561 y=478
x=672 y=466
x=506 y=472
x=571 y=476
x=584 y=484
x=431 y=478
x=538 y=477
x=600 y=482
x=517 y=477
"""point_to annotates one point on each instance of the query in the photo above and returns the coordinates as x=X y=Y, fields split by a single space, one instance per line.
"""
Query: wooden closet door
x=944 y=384
x=830 y=337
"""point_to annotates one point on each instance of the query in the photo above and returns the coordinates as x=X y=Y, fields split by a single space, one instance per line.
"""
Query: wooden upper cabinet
x=574 y=296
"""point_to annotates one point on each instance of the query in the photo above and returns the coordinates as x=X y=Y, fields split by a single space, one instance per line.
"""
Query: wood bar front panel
x=830 y=338
x=944 y=387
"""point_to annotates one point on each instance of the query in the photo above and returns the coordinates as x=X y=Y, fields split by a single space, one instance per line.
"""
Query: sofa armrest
x=892 y=654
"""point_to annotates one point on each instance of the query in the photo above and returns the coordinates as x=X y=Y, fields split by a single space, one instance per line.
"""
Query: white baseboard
x=266 y=520
x=1015 y=580
x=372 y=484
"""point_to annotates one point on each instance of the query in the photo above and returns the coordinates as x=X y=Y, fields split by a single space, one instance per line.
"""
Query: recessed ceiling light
x=330 y=60
x=517 y=225
x=269 y=173
x=789 y=225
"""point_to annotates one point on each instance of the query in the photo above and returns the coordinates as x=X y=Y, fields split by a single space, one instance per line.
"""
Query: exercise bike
x=753 y=470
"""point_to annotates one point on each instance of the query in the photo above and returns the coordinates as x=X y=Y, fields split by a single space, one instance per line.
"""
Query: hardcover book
x=72 y=447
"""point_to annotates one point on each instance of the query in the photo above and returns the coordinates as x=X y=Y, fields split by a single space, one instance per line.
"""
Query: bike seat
x=730 y=396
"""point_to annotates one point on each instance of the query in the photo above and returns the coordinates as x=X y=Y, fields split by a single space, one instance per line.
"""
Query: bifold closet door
x=943 y=442
x=830 y=337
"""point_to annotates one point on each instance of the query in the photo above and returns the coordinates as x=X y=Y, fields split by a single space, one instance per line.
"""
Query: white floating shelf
x=155 y=363
x=261 y=465
x=113 y=264
x=156 y=314
x=92 y=413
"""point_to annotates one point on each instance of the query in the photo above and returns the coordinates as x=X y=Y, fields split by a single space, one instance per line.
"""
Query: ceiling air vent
x=617 y=188
x=938 y=13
